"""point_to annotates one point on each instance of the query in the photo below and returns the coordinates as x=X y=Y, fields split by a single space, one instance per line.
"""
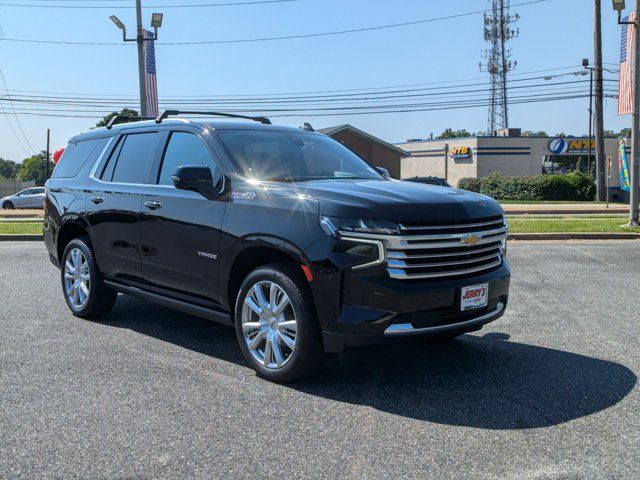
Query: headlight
x=333 y=225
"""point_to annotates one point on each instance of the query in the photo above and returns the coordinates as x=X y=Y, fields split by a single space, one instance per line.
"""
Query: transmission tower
x=498 y=30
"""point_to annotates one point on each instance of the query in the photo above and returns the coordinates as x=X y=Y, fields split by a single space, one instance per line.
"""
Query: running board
x=185 y=307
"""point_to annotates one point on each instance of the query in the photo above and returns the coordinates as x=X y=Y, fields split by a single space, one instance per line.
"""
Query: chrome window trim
x=408 y=329
x=92 y=174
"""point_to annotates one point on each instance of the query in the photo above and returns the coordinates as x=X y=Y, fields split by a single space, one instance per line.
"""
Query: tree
x=127 y=112
x=33 y=168
x=610 y=133
x=625 y=132
x=531 y=133
x=9 y=168
x=449 y=133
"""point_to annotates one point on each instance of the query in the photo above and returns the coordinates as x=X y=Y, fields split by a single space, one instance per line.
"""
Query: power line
x=284 y=37
x=4 y=82
x=111 y=7
x=353 y=90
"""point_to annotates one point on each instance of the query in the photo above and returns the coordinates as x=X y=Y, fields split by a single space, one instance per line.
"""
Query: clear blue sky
x=557 y=33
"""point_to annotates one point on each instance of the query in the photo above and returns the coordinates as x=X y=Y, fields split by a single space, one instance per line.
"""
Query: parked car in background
x=441 y=182
x=27 y=198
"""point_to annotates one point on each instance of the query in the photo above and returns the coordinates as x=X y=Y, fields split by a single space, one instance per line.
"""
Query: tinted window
x=135 y=158
x=293 y=156
x=76 y=155
x=184 y=149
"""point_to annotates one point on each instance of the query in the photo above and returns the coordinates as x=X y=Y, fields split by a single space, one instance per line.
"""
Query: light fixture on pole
x=141 y=37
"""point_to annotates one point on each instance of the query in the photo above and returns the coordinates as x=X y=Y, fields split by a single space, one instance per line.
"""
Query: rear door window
x=76 y=156
x=134 y=159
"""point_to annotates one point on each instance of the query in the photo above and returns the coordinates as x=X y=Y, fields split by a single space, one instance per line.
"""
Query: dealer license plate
x=476 y=296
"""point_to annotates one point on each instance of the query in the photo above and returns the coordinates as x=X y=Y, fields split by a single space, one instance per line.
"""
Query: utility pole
x=46 y=155
x=599 y=110
x=634 y=221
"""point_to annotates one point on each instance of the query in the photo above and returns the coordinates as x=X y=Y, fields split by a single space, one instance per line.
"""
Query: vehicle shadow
x=475 y=381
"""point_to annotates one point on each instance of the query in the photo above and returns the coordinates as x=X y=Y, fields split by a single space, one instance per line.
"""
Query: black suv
x=283 y=233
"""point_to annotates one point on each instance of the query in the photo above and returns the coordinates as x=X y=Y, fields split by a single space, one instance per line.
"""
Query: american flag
x=625 y=87
x=150 y=83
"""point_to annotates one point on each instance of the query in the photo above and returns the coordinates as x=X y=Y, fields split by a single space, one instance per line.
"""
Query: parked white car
x=28 y=198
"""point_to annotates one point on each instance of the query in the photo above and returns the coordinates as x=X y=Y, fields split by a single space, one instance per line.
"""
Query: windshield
x=293 y=156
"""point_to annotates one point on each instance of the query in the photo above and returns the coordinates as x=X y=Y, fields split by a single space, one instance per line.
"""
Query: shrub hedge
x=574 y=186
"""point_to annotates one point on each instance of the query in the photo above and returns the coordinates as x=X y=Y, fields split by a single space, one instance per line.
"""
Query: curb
x=22 y=238
x=21 y=215
x=575 y=236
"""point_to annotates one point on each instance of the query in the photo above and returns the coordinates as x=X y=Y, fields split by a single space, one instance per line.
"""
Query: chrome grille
x=425 y=251
x=436 y=251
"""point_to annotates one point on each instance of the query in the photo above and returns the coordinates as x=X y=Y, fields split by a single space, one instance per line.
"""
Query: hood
x=397 y=201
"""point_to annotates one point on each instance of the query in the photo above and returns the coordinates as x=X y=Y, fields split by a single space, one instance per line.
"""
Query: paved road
x=548 y=391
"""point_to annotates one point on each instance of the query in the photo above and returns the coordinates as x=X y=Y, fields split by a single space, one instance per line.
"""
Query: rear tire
x=82 y=284
x=8 y=205
x=276 y=323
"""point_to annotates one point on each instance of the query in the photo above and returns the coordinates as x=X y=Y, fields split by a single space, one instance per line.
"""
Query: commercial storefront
x=512 y=155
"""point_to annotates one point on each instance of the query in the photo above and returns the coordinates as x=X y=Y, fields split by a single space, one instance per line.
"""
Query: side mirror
x=197 y=179
x=384 y=172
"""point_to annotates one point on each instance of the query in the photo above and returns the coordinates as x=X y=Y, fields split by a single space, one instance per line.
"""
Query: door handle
x=97 y=200
x=153 y=205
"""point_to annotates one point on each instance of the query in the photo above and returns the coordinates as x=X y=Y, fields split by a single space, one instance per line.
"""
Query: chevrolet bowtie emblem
x=470 y=240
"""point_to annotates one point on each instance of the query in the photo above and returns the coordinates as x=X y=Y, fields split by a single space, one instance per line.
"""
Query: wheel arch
x=68 y=231
x=258 y=251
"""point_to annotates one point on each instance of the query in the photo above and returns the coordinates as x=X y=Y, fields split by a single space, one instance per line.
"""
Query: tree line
x=34 y=167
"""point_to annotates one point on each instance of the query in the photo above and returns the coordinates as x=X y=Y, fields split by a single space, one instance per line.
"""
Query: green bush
x=471 y=184
x=575 y=186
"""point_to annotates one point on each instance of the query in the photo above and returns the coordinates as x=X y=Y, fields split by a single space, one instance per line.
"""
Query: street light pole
x=140 y=38
x=599 y=101
x=585 y=64
x=141 y=67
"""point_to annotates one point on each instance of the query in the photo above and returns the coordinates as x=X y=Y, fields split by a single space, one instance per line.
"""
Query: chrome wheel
x=77 y=280
x=269 y=324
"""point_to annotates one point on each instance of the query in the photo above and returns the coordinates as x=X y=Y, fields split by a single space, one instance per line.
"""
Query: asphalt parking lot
x=548 y=391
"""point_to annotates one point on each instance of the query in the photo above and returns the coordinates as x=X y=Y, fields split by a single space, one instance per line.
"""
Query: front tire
x=82 y=285
x=276 y=323
x=7 y=206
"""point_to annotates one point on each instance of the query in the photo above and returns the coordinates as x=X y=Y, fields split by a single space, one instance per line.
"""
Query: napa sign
x=560 y=146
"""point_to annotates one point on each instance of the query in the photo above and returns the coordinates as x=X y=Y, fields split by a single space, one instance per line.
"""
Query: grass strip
x=20 y=228
x=568 y=225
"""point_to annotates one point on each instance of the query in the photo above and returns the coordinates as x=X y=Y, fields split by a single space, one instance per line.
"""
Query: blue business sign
x=558 y=146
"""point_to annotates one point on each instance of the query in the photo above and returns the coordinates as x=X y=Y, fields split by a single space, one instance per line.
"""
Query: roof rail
x=130 y=118
x=172 y=113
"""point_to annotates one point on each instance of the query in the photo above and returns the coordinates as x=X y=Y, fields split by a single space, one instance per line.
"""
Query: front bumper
x=378 y=310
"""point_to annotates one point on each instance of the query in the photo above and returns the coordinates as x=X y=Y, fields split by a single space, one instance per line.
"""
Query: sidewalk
x=22 y=213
